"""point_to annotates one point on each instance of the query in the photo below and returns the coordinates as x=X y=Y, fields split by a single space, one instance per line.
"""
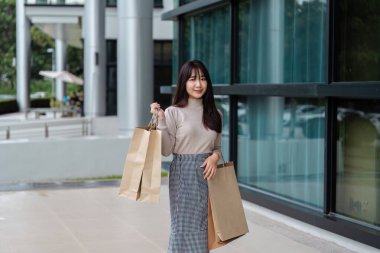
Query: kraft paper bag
x=151 y=175
x=226 y=218
x=141 y=178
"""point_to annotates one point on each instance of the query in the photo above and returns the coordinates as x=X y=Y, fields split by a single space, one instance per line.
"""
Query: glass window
x=358 y=160
x=223 y=105
x=175 y=61
x=358 y=41
x=158 y=4
x=281 y=146
x=182 y=2
x=162 y=71
x=282 y=41
x=207 y=38
x=111 y=3
x=111 y=78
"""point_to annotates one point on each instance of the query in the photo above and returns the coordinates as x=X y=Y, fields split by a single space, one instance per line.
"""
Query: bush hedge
x=8 y=106
x=40 y=103
x=11 y=105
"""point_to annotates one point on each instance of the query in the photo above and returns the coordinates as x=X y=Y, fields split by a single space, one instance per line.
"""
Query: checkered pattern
x=188 y=193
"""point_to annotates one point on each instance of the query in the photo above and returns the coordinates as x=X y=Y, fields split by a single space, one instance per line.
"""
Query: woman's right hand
x=156 y=108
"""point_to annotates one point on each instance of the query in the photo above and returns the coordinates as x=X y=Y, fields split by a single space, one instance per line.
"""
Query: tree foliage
x=358 y=40
x=7 y=42
x=40 y=59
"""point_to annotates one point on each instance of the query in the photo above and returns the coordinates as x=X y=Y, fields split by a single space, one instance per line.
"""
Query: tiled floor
x=97 y=220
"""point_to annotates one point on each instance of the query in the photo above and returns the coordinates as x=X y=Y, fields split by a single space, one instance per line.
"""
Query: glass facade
x=358 y=41
x=162 y=71
x=281 y=146
x=358 y=160
x=282 y=41
x=113 y=3
x=223 y=105
x=111 y=77
x=207 y=38
x=182 y=2
x=307 y=145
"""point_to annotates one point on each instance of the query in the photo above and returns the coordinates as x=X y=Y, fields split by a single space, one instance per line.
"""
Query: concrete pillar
x=22 y=56
x=60 y=62
x=134 y=63
x=94 y=58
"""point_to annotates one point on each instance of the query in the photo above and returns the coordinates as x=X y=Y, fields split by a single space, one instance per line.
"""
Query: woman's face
x=196 y=85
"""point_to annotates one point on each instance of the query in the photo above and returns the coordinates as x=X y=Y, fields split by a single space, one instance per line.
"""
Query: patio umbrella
x=62 y=75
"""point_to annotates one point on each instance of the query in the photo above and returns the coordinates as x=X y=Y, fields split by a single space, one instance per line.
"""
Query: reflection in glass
x=182 y=2
x=281 y=146
x=223 y=105
x=207 y=38
x=358 y=160
x=175 y=61
x=357 y=40
x=281 y=41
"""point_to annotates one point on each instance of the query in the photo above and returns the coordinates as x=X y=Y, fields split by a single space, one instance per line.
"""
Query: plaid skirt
x=188 y=192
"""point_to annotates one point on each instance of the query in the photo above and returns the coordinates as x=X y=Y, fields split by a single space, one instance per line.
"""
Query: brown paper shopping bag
x=141 y=178
x=226 y=218
x=151 y=175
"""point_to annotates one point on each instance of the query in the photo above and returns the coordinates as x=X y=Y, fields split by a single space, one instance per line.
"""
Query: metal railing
x=45 y=129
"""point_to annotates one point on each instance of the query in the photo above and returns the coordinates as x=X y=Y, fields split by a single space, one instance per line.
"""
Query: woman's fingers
x=154 y=107
x=209 y=172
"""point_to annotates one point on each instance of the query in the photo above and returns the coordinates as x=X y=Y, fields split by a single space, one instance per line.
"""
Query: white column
x=22 y=56
x=134 y=63
x=94 y=58
x=60 y=61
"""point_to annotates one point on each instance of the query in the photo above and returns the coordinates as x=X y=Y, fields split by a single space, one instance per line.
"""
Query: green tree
x=40 y=58
x=358 y=40
x=7 y=43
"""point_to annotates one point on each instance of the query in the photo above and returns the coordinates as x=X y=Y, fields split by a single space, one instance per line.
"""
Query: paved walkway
x=96 y=220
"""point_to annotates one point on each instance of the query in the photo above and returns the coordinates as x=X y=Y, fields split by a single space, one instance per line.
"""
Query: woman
x=191 y=131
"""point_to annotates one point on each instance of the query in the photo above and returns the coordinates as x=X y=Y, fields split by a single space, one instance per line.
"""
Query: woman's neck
x=195 y=102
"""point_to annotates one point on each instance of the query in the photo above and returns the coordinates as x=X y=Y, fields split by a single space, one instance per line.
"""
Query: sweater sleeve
x=168 y=129
x=218 y=145
x=218 y=140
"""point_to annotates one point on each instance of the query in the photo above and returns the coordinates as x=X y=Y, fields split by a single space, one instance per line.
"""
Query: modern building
x=127 y=52
x=298 y=83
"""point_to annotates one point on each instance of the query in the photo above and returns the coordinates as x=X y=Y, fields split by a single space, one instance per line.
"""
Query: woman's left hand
x=210 y=165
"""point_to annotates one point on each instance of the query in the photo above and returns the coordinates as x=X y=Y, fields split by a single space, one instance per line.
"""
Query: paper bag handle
x=224 y=161
x=153 y=121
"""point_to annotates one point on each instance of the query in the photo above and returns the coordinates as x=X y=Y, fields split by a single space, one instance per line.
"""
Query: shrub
x=40 y=103
x=8 y=106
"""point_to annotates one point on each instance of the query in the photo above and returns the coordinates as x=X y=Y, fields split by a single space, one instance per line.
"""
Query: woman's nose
x=197 y=82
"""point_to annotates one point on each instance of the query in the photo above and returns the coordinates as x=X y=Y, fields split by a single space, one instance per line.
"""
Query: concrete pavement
x=96 y=220
x=89 y=217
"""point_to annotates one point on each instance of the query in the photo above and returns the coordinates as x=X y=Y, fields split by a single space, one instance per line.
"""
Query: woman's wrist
x=215 y=155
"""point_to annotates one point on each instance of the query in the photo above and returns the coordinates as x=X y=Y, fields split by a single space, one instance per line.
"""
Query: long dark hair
x=211 y=117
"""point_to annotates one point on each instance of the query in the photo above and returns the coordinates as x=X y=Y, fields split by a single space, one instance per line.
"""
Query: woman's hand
x=156 y=108
x=210 y=165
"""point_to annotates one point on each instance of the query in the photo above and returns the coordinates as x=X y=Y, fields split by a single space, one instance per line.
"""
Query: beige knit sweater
x=183 y=131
